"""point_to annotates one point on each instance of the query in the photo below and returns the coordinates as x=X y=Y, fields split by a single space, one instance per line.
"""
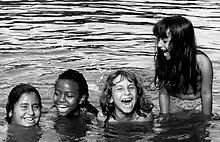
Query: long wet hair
x=181 y=70
x=83 y=88
x=108 y=108
x=14 y=97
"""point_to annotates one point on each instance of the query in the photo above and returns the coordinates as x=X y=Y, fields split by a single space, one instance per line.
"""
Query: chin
x=63 y=113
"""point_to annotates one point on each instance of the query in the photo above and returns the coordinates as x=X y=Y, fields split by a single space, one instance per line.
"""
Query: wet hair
x=15 y=95
x=182 y=69
x=109 y=108
x=83 y=88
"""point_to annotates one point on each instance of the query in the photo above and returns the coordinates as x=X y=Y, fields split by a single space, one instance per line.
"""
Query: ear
x=82 y=99
x=10 y=114
x=111 y=100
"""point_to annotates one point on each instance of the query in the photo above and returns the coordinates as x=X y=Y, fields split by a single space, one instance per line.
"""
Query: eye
x=165 y=40
x=23 y=106
x=36 y=106
x=131 y=87
x=71 y=95
x=56 y=93
x=119 y=88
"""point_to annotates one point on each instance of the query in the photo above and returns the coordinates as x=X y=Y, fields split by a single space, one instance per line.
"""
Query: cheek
x=134 y=92
x=38 y=112
x=56 y=98
x=115 y=95
x=73 y=101
x=17 y=111
x=17 y=115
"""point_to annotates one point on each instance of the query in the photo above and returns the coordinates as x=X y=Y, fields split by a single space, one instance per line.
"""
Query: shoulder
x=101 y=116
x=204 y=62
x=149 y=117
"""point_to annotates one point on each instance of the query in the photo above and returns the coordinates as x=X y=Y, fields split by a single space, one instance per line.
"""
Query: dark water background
x=41 y=38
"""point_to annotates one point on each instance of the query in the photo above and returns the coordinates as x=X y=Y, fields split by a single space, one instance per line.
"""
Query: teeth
x=29 y=119
x=126 y=100
x=166 y=53
x=62 y=106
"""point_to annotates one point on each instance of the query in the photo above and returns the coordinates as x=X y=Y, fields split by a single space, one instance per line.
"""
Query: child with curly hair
x=123 y=100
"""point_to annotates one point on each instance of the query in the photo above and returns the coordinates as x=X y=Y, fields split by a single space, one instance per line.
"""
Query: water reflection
x=128 y=132
x=71 y=128
x=40 y=39
x=189 y=130
x=17 y=133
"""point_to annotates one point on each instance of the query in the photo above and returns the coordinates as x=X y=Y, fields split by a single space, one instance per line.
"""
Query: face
x=163 y=44
x=66 y=97
x=124 y=95
x=27 y=110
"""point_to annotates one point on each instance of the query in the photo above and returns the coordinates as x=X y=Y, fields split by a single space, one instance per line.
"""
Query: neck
x=74 y=113
x=120 y=116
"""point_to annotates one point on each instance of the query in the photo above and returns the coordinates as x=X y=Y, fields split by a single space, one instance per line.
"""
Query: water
x=40 y=39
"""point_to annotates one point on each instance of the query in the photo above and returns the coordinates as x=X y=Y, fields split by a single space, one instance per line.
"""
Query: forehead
x=121 y=78
x=28 y=97
x=66 y=84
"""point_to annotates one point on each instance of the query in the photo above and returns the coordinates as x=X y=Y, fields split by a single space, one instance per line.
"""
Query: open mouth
x=62 y=108
x=30 y=119
x=127 y=101
x=166 y=54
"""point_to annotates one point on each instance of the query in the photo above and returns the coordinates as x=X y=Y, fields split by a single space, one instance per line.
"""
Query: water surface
x=40 y=39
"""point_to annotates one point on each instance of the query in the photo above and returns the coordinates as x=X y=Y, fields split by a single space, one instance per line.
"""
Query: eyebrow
x=131 y=83
x=31 y=104
x=65 y=91
x=24 y=103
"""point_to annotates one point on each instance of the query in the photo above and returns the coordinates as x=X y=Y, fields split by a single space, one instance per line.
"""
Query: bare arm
x=164 y=101
x=206 y=69
x=101 y=116
x=150 y=117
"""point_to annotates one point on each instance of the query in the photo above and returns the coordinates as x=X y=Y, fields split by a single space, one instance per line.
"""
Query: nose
x=127 y=91
x=160 y=44
x=31 y=111
x=62 y=97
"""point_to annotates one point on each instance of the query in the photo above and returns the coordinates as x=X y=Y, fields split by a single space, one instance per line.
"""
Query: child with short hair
x=122 y=99
x=23 y=106
x=71 y=94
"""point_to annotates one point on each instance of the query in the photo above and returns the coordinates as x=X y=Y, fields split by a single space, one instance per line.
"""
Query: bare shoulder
x=101 y=116
x=145 y=119
x=204 y=62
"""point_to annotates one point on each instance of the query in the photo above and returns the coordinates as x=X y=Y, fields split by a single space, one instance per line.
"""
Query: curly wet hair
x=181 y=70
x=108 y=108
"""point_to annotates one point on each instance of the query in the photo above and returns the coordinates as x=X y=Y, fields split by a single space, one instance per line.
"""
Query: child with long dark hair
x=23 y=106
x=183 y=73
x=123 y=100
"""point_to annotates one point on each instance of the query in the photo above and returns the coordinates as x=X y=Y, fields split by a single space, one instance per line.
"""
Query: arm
x=164 y=101
x=150 y=117
x=101 y=116
x=206 y=69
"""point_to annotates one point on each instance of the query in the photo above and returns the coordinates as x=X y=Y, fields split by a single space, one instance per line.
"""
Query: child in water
x=183 y=73
x=122 y=100
x=71 y=94
x=23 y=106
